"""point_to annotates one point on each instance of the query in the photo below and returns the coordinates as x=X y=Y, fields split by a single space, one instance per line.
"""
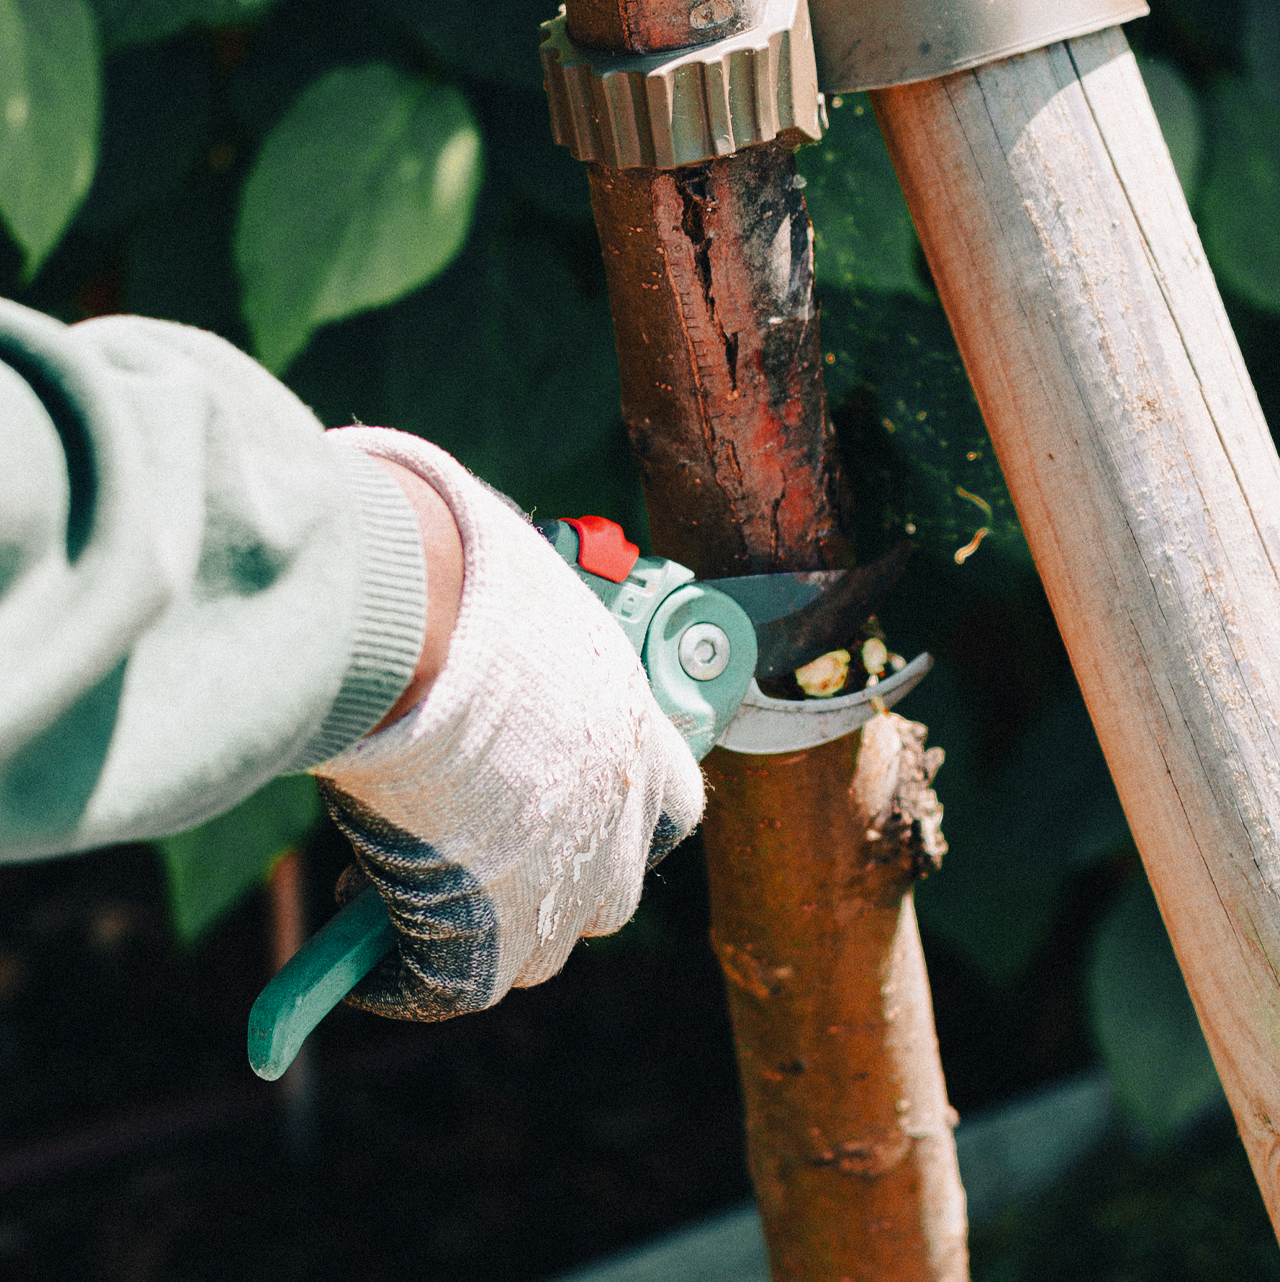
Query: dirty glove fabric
x=515 y=809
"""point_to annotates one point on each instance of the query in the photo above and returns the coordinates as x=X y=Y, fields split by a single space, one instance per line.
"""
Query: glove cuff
x=471 y=503
x=390 y=613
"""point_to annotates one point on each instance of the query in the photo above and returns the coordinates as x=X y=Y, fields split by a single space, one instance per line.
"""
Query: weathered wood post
x=1147 y=484
x=812 y=856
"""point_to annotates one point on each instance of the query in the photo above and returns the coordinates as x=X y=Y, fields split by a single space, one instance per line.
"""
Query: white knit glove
x=515 y=809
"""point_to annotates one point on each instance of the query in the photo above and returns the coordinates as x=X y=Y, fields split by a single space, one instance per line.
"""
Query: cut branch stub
x=654 y=26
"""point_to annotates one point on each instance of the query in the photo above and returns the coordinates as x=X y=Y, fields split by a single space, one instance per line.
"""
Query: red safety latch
x=603 y=548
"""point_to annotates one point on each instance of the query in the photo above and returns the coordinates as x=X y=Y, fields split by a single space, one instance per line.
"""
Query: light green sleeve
x=199 y=588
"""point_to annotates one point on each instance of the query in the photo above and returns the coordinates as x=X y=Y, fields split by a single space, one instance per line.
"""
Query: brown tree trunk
x=811 y=855
x=812 y=858
x=711 y=280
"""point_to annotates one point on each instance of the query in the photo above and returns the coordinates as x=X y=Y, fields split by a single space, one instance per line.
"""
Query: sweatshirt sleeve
x=199 y=588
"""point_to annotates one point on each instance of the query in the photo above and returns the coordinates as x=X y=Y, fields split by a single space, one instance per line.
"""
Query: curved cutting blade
x=766 y=597
x=799 y=616
x=763 y=725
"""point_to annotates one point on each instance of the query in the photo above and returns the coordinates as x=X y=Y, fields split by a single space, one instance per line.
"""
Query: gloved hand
x=516 y=807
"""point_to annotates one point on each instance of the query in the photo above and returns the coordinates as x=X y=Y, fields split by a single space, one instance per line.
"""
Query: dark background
x=601 y=1109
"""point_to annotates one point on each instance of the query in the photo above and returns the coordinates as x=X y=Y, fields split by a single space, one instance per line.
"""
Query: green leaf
x=863 y=234
x=362 y=192
x=49 y=106
x=1240 y=202
x=508 y=361
x=131 y=22
x=1181 y=120
x=212 y=866
x=1144 y=1021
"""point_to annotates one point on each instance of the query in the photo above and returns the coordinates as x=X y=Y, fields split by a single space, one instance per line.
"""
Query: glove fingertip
x=352 y=881
x=667 y=835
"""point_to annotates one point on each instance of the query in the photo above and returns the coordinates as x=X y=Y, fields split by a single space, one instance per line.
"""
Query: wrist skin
x=442 y=552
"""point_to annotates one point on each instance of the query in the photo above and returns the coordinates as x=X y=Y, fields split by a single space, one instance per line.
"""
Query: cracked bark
x=711 y=276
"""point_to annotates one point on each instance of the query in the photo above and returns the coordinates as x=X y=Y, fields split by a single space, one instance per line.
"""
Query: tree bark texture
x=654 y=26
x=710 y=274
x=1147 y=484
x=848 y=1125
x=710 y=271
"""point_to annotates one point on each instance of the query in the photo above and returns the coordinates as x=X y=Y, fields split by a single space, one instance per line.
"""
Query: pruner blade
x=763 y=725
x=802 y=615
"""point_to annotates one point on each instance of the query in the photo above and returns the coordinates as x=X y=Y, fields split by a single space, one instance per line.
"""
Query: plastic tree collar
x=871 y=44
x=671 y=109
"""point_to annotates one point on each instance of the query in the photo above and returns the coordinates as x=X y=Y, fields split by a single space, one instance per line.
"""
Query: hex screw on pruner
x=704 y=651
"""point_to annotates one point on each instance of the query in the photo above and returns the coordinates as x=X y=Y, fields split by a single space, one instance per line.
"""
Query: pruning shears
x=703 y=643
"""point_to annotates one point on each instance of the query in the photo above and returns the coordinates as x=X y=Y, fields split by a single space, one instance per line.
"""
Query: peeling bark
x=711 y=279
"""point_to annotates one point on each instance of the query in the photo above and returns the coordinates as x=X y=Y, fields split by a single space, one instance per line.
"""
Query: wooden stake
x=1147 y=484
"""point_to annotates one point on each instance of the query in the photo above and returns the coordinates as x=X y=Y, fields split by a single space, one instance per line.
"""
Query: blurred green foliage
x=128 y=22
x=1242 y=187
x=49 y=94
x=209 y=867
x=1146 y=1026
x=863 y=235
x=375 y=172
x=364 y=193
x=1181 y=117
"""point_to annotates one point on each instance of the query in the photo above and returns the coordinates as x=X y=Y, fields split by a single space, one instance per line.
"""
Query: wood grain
x=1146 y=481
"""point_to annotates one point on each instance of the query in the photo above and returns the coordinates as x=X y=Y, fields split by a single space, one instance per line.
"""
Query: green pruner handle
x=315 y=979
x=654 y=601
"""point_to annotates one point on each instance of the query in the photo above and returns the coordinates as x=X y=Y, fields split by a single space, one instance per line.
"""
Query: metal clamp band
x=668 y=110
x=871 y=44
